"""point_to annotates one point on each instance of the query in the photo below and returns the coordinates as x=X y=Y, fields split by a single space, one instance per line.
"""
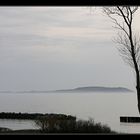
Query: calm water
x=103 y=107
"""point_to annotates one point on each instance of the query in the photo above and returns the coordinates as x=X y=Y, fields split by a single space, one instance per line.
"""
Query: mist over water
x=50 y=48
x=102 y=107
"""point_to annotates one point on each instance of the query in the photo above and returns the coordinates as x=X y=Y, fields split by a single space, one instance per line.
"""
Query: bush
x=56 y=123
x=91 y=127
x=65 y=124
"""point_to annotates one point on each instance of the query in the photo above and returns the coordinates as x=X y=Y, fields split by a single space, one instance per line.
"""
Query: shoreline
x=62 y=124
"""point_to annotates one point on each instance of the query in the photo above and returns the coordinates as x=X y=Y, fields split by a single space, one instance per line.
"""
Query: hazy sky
x=46 y=48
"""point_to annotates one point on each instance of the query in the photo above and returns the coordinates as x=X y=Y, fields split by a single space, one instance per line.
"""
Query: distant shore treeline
x=30 y=116
x=77 y=90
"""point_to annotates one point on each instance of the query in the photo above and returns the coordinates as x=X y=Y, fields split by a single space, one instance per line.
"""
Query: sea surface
x=102 y=107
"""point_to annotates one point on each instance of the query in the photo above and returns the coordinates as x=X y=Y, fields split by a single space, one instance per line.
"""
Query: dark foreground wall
x=126 y=119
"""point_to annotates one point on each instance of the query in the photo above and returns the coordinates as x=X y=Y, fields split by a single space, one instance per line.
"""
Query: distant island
x=96 y=89
x=92 y=89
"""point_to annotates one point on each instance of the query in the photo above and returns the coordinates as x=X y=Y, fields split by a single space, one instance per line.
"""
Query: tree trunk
x=136 y=67
x=138 y=98
x=138 y=86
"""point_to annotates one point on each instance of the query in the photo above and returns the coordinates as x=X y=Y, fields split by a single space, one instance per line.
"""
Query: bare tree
x=122 y=17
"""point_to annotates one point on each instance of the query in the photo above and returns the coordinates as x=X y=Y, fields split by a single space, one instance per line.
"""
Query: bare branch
x=129 y=43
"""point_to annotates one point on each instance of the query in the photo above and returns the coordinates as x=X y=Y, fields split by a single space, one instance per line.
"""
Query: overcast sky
x=47 y=48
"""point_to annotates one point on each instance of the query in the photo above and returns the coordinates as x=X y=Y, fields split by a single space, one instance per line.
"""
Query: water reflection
x=103 y=107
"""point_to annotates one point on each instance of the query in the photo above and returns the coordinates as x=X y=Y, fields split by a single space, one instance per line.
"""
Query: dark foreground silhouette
x=126 y=119
x=24 y=116
x=58 y=123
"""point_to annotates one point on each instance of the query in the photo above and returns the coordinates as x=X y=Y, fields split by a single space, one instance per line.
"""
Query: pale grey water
x=102 y=107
